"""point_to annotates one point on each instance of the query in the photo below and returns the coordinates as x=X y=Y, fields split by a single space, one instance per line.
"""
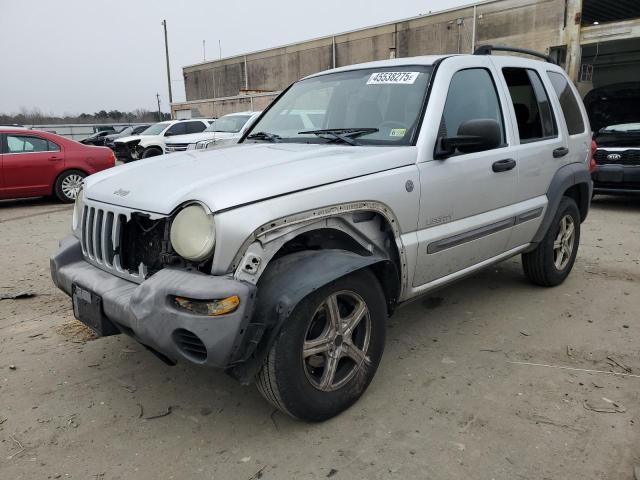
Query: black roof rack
x=488 y=49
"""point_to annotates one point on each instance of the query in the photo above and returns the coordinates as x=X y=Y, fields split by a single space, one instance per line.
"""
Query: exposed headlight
x=76 y=219
x=193 y=233
x=204 y=144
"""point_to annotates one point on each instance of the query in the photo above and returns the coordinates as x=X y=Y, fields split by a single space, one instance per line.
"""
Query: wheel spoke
x=353 y=352
x=317 y=345
x=569 y=231
x=329 y=372
x=557 y=244
x=334 y=313
x=353 y=320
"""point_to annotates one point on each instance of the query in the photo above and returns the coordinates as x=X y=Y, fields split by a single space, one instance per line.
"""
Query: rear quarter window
x=568 y=102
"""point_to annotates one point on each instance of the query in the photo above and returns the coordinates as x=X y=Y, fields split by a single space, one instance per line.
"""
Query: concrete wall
x=216 y=108
x=535 y=24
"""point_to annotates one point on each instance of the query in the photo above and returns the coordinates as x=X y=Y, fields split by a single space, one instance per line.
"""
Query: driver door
x=467 y=199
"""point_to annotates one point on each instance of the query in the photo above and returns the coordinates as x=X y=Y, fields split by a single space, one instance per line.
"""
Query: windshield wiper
x=269 y=137
x=345 y=135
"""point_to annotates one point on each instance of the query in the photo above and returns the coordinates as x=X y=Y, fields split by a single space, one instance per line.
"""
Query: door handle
x=54 y=158
x=504 y=165
x=560 y=152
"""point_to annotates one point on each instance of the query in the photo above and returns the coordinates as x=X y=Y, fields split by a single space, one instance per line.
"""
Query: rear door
x=540 y=146
x=465 y=205
x=30 y=164
x=575 y=116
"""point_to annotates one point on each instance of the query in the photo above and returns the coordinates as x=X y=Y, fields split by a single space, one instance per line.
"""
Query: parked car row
x=151 y=142
x=225 y=130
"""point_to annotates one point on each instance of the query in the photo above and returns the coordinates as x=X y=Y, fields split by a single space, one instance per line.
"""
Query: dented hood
x=230 y=176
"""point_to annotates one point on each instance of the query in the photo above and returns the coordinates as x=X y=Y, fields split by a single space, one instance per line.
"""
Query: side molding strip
x=470 y=236
x=530 y=215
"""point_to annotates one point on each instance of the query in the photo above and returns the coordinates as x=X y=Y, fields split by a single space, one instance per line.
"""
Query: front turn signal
x=210 y=308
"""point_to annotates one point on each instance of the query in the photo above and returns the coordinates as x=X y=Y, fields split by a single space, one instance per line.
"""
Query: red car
x=34 y=163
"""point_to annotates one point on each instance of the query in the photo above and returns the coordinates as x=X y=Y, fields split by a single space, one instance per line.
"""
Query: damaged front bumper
x=148 y=312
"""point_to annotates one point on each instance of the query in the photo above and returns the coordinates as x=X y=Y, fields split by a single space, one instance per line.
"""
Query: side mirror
x=473 y=136
x=168 y=133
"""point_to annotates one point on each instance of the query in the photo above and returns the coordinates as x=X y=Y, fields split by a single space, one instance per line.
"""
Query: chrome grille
x=176 y=147
x=629 y=157
x=101 y=233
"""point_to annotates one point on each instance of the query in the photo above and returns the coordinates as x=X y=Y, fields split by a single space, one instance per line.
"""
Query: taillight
x=592 y=161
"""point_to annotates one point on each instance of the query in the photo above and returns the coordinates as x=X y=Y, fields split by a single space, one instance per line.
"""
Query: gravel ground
x=470 y=385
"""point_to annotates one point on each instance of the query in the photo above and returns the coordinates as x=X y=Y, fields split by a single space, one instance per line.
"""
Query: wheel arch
x=285 y=282
x=572 y=181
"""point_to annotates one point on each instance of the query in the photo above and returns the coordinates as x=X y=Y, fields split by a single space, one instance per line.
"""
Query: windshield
x=156 y=129
x=385 y=102
x=126 y=131
x=229 y=124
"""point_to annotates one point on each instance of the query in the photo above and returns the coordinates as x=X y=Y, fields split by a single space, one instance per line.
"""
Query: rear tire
x=313 y=371
x=151 y=152
x=68 y=185
x=551 y=262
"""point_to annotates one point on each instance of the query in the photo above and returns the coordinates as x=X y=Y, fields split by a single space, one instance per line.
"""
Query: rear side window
x=531 y=105
x=568 y=102
x=26 y=144
x=177 y=129
x=472 y=95
x=53 y=147
x=195 y=127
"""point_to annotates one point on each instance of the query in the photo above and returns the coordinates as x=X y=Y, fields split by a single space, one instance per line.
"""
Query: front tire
x=151 y=152
x=328 y=350
x=551 y=262
x=68 y=185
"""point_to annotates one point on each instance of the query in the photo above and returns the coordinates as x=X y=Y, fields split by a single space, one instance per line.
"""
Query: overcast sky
x=74 y=56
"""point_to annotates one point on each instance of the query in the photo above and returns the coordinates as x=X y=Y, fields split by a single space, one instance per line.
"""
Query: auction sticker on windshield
x=386 y=78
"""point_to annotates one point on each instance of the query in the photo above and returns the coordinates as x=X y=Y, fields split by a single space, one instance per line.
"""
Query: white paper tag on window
x=387 y=78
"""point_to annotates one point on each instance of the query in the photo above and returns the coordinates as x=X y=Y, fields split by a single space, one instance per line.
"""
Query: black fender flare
x=284 y=283
x=565 y=178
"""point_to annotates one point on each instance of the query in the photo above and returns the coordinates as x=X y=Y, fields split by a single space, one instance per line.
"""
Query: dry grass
x=76 y=331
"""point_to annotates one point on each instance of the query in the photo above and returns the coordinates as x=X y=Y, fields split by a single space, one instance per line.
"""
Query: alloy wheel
x=337 y=341
x=564 y=242
x=71 y=185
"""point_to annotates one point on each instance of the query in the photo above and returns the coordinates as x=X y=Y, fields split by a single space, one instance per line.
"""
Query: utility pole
x=166 y=51
x=204 y=51
x=220 y=48
x=159 y=111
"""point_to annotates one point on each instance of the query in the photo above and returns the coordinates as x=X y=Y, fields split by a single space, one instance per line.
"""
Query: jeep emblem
x=614 y=156
x=121 y=193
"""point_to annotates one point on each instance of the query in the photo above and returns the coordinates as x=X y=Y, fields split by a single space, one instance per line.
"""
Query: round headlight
x=76 y=220
x=193 y=233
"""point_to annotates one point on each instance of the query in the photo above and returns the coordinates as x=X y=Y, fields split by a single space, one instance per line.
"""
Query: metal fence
x=79 y=131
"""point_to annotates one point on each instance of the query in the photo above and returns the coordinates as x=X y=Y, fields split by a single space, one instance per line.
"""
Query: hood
x=130 y=138
x=614 y=104
x=197 y=137
x=238 y=174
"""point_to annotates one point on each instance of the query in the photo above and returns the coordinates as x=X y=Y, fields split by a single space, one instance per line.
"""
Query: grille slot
x=627 y=157
x=100 y=242
x=190 y=345
x=177 y=147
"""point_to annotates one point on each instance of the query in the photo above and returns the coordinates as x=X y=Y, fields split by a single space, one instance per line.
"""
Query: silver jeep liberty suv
x=279 y=259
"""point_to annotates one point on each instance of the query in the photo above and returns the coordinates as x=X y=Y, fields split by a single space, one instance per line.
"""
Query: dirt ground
x=483 y=380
